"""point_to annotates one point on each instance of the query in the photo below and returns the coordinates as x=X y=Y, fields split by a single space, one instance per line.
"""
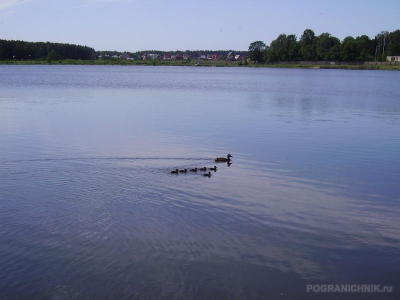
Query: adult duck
x=224 y=159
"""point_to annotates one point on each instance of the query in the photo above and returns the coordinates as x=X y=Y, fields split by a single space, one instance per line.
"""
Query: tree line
x=326 y=47
x=21 y=50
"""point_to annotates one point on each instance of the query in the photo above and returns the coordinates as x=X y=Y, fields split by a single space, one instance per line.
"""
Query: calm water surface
x=88 y=209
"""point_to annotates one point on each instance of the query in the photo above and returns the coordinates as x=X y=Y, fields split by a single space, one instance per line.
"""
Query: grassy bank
x=194 y=62
x=340 y=67
x=124 y=63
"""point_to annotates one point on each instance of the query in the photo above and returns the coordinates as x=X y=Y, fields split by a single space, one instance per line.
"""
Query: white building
x=393 y=58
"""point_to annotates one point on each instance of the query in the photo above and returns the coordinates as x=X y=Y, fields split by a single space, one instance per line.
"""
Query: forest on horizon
x=309 y=47
x=325 y=47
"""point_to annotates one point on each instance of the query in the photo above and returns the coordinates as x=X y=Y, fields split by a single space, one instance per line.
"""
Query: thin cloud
x=5 y=4
x=104 y=2
x=109 y=1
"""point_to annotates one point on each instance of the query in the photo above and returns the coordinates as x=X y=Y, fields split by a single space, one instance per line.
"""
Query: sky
x=133 y=25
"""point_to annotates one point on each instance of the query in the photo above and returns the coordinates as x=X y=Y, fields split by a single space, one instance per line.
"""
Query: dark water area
x=89 y=209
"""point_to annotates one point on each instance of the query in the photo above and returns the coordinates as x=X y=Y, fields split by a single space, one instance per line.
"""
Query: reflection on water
x=90 y=210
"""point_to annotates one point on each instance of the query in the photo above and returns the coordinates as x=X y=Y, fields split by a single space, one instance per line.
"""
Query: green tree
x=349 y=49
x=256 y=51
x=323 y=44
x=53 y=55
x=307 y=45
x=335 y=53
x=394 y=43
x=270 y=53
x=294 y=47
x=381 y=42
x=1 y=51
x=284 y=48
x=364 y=49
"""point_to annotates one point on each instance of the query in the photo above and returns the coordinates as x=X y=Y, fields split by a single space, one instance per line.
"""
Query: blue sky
x=131 y=25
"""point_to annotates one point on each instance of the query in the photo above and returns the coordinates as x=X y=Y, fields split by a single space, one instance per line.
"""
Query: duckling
x=213 y=169
x=193 y=170
x=183 y=171
x=175 y=172
x=224 y=159
x=208 y=175
x=203 y=169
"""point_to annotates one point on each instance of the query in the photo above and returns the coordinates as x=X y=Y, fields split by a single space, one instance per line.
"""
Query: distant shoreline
x=200 y=64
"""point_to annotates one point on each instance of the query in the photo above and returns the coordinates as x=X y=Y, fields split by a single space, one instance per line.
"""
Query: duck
x=203 y=169
x=224 y=159
x=208 y=174
x=193 y=170
x=175 y=172
x=213 y=169
x=183 y=171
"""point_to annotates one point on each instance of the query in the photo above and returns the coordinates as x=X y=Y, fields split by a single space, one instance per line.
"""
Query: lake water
x=89 y=209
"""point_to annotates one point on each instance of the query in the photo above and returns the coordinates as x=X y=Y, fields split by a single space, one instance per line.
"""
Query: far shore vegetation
x=120 y=62
x=322 y=51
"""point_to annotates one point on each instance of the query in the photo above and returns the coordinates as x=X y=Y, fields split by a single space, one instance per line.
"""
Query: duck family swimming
x=177 y=171
x=226 y=159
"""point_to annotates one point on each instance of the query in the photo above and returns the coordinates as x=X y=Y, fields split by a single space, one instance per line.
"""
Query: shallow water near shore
x=89 y=209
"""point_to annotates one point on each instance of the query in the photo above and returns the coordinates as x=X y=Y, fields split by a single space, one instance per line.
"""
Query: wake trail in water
x=104 y=158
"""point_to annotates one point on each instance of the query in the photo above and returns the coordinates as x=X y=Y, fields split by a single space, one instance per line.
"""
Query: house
x=125 y=55
x=230 y=56
x=393 y=58
x=213 y=56
x=167 y=57
x=151 y=56
x=203 y=57
x=237 y=57
x=178 y=57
